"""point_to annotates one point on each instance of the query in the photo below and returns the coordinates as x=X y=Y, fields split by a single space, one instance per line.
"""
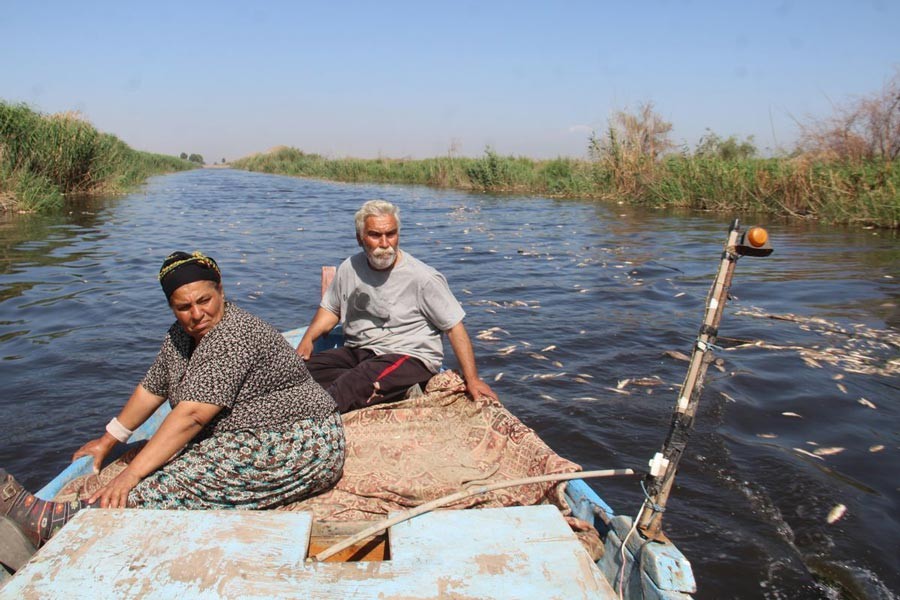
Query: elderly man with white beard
x=395 y=310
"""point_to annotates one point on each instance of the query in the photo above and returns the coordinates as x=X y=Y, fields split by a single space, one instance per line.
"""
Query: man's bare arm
x=323 y=322
x=465 y=356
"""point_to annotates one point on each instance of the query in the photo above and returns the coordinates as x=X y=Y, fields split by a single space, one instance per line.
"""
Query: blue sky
x=395 y=79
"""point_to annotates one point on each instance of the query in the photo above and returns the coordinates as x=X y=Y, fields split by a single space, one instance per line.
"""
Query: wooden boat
x=500 y=552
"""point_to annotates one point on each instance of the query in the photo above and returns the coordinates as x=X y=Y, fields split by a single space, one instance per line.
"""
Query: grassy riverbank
x=860 y=192
x=45 y=157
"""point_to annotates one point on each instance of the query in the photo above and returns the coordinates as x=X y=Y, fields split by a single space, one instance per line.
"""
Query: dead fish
x=465 y=291
x=498 y=376
x=537 y=356
x=581 y=380
x=647 y=381
x=507 y=350
x=557 y=364
x=810 y=454
x=866 y=403
x=677 y=355
x=792 y=414
x=768 y=436
x=621 y=384
x=835 y=514
x=828 y=451
x=727 y=397
x=549 y=348
x=876 y=448
x=842 y=387
x=586 y=375
x=618 y=391
x=547 y=397
x=679 y=294
x=548 y=375
x=587 y=399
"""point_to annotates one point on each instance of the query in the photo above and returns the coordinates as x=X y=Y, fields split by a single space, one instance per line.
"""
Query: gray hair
x=375 y=208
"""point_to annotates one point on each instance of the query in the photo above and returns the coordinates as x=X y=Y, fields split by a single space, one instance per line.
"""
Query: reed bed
x=851 y=192
x=45 y=157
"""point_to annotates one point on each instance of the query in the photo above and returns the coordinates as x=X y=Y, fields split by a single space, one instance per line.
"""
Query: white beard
x=381 y=258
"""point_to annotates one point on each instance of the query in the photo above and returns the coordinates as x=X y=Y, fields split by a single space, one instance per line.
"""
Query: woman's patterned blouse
x=244 y=365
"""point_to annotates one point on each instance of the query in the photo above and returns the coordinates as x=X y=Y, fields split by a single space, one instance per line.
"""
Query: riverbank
x=43 y=158
x=856 y=193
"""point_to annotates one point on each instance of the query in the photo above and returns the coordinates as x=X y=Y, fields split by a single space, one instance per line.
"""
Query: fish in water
x=836 y=513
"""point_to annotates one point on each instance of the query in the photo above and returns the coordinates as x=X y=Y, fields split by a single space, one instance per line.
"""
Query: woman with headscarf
x=249 y=428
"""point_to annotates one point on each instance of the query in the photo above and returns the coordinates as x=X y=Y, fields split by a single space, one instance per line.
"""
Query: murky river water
x=586 y=296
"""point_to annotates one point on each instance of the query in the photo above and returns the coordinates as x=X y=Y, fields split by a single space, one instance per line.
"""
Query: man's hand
x=478 y=388
x=305 y=349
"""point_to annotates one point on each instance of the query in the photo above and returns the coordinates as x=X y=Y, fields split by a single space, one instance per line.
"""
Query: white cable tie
x=713 y=303
x=682 y=404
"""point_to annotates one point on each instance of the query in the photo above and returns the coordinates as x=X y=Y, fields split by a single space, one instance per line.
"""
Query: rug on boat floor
x=403 y=454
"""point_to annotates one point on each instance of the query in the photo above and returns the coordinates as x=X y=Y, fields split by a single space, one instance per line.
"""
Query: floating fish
x=621 y=384
x=792 y=414
x=835 y=514
x=586 y=375
x=537 y=356
x=587 y=399
x=828 y=451
x=810 y=454
x=498 y=376
x=768 y=436
x=842 y=387
x=876 y=448
x=677 y=355
x=618 y=391
x=546 y=397
x=866 y=403
x=549 y=348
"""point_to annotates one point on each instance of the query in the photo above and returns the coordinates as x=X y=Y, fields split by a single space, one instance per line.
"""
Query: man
x=395 y=309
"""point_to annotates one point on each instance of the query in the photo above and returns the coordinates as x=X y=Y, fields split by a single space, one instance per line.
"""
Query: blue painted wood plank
x=520 y=552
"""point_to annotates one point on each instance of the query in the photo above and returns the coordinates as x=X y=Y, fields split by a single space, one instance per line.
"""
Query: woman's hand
x=115 y=493
x=97 y=448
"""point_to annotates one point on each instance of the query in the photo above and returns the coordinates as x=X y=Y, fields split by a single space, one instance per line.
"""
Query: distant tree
x=196 y=158
x=223 y=161
x=866 y=128
x=641 y=135
x=184 y=156
x=713 y=146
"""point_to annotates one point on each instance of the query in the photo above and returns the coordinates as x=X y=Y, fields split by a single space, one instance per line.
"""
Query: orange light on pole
x=757 y=237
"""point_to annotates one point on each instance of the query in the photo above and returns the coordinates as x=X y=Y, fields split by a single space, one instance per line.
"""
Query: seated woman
x=249 y=428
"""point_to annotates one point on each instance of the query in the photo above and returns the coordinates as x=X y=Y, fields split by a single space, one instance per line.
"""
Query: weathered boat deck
x=518 y=552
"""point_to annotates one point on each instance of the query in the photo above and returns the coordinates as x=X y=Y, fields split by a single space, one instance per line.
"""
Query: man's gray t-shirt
x=401 y=310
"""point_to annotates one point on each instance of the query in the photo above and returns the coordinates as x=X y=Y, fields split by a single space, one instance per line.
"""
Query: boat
x=564 y=541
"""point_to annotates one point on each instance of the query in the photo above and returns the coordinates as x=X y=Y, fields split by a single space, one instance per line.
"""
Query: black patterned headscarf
x=181 y=268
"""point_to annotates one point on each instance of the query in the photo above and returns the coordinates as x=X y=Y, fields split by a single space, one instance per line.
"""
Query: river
x=800 y=415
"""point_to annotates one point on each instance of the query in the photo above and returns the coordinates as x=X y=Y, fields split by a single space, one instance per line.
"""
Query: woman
x=249 y=428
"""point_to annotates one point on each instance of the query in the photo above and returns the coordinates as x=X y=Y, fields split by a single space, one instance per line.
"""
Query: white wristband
x=118 y=431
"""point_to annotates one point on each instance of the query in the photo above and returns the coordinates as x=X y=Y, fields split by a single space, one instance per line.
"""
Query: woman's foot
x=38 y=519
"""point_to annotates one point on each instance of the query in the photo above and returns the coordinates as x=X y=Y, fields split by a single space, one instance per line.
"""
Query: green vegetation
x=845 y=169
x=43 y=158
